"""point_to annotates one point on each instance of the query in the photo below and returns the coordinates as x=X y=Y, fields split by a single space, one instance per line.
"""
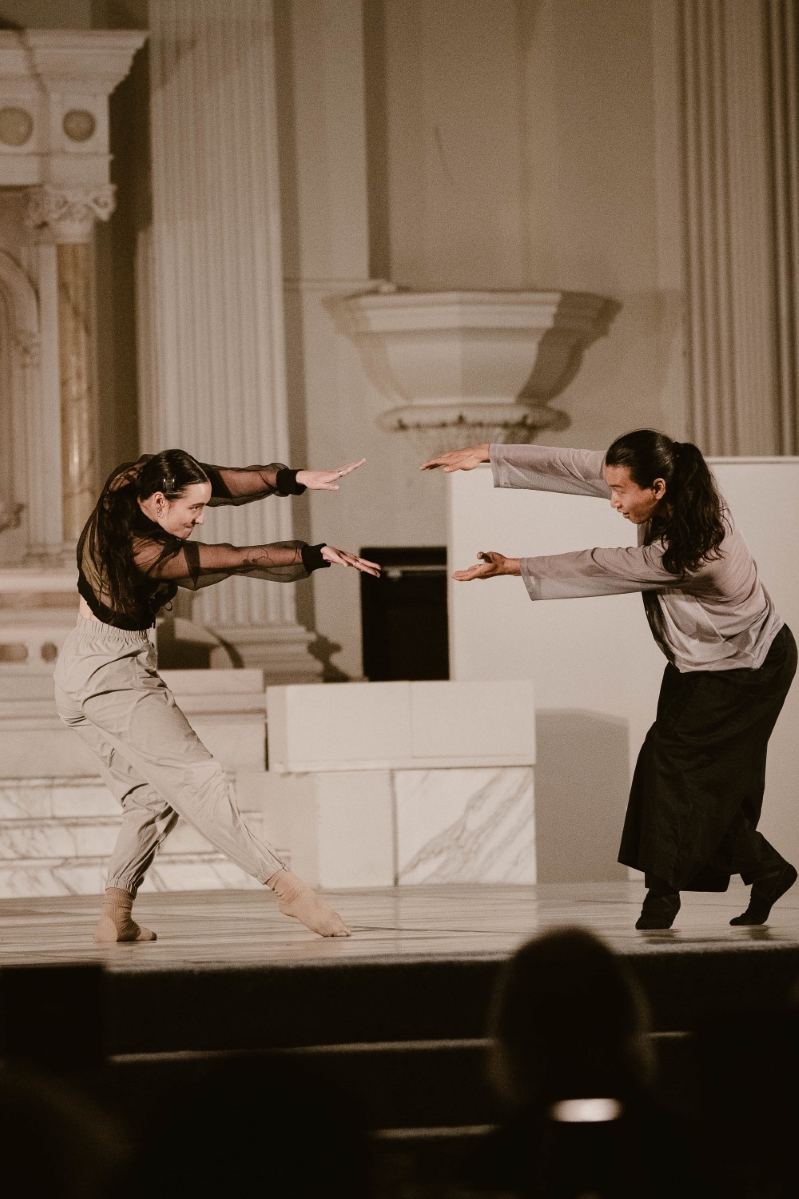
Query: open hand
x=491 y=564
x=326 y=480
x=466 y=459
x=343 y=558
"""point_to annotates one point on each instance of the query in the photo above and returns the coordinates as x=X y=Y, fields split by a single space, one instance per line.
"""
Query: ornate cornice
x=67 y=214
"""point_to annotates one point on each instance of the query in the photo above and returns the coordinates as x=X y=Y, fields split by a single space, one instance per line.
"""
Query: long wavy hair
x=690 y=521
x=119 y=520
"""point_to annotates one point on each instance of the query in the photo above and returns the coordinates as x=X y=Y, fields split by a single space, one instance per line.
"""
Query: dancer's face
x=179 y=516
x=636 y=504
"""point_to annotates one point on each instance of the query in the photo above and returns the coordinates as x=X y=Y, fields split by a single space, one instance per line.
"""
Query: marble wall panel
x=465 y=826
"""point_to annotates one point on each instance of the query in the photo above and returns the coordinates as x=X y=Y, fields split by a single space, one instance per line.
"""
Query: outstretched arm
x=466 y=459
x=537 y=467
x=581 y=574
x=197 y=565
x=243 y=485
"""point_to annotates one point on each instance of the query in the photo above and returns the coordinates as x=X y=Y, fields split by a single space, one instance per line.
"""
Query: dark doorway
x=404 y=614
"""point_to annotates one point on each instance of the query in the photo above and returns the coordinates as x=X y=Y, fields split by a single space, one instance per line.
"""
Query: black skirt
x=697 y=791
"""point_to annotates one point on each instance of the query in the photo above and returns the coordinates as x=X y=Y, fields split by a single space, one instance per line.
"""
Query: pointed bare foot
x=116 y=922
x=299 y=900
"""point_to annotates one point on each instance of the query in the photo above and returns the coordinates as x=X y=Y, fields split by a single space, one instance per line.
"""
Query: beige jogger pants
x=108 y=690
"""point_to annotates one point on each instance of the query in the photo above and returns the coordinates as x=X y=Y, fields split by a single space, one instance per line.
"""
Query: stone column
x=213 y=353
x=739 y=112
x=80 y=482
x=64 y=217
x=326 y=256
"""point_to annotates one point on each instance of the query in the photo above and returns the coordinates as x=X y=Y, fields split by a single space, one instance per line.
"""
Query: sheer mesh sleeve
x=242 y=485
x=193 y=565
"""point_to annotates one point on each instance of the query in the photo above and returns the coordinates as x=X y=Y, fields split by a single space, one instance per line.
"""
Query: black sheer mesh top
x=165 y=562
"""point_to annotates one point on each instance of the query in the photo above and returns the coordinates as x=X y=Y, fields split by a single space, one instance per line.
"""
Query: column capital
x=65 y=214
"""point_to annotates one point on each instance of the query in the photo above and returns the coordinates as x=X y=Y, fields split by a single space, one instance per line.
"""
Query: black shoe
x=659 y=910
x=764 y=895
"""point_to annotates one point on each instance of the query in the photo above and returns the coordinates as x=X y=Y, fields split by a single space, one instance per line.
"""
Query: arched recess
x=20 y=365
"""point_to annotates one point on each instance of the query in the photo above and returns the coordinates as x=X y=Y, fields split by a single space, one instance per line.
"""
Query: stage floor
x=240 y=929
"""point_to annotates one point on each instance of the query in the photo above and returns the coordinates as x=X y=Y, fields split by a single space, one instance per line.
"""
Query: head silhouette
x=567 y=1022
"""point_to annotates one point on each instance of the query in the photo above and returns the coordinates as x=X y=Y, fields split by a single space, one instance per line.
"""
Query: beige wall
x=591 y=119
x=456 y=178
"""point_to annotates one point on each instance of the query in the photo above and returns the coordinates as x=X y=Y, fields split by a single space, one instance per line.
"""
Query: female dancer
x=697 y=790
x=133 y=555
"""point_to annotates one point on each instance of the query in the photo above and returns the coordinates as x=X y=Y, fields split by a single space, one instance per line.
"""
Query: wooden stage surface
x=235 y=929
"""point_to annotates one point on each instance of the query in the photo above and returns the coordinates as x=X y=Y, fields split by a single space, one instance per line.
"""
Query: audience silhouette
x=571 y=1060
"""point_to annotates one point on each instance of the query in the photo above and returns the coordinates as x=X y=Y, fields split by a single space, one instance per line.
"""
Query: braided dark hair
x=691 y=523
x=118 y=519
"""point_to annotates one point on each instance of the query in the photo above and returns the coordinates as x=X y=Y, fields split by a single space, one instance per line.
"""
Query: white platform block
x=400 y=726
x=336 y=827
x=379 y=784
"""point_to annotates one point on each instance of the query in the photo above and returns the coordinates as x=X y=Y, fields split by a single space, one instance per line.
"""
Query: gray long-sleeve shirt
x=718 y=617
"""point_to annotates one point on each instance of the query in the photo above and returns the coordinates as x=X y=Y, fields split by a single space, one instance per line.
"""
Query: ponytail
x=118 y=519
x=691 y=525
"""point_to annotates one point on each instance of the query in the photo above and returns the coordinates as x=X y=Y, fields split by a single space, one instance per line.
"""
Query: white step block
x=400 y=726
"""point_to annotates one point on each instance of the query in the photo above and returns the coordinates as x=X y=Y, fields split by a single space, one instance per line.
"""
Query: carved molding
x=55 y=85
x=66 y=215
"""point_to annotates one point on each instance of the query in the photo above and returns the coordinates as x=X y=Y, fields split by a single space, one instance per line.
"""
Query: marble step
x=210 y=871
x=87 y=836
x=56 y=835
x=26 y=798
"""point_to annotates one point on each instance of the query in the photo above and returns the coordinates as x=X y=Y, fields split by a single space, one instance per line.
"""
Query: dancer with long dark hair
x=697 y=791
x=133 y=554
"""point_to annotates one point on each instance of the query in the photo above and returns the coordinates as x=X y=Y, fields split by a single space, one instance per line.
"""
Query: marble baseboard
x=465 y=826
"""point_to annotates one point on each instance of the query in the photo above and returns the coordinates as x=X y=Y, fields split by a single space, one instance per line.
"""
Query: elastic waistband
x=98 y=628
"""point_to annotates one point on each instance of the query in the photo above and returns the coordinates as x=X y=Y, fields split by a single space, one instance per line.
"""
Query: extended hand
x=466 y=459
x=342 y=558
x=492 y=564
x=326 y=480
